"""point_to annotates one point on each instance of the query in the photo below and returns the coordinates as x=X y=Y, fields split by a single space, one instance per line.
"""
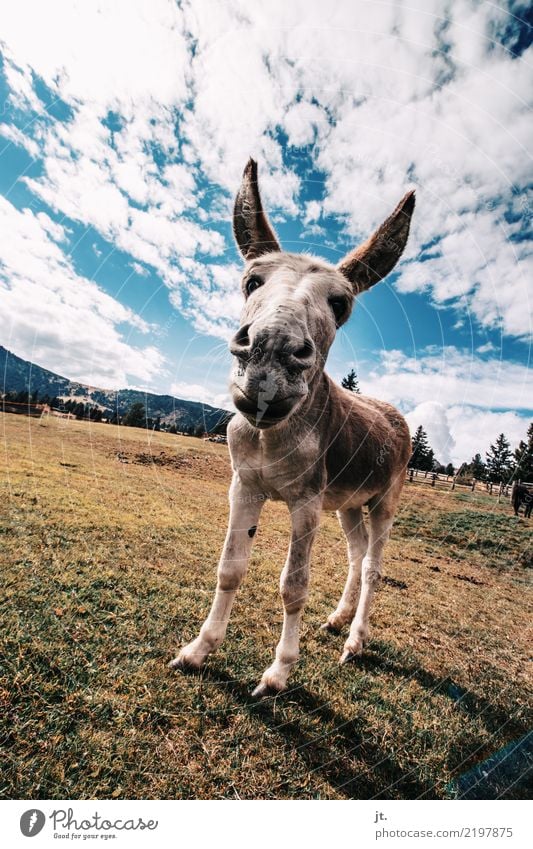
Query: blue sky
x=123 y=134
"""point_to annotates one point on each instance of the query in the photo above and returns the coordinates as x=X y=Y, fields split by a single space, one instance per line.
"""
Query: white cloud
x=91 y=182
x=214 y=298
x=475 y=263
x=20 y=84
x=93 y=174
x=434 y=419
x=475 y=430
x=139 y=269
x=128 y=51
x=458 y=432
x=52 y=228
x=16 y=136
x=312 y=213
x=462 y=401
x=487 y=348
x=53 y=316
x=303 y=121
x=202 y=393
x=451 y=377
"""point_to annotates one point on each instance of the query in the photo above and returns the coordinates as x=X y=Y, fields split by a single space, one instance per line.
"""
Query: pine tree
x=523 y=457
x=478 y=468
x=422 y=457
x=449 y=470
x=135 y=416
x=350 y=382
x=499 y=460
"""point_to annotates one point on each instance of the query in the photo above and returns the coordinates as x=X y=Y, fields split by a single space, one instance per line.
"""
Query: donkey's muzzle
x=294 y=351
x=261 y=411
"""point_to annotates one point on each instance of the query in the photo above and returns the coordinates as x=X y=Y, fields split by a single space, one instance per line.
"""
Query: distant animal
x=300 y=438
x=522 y=495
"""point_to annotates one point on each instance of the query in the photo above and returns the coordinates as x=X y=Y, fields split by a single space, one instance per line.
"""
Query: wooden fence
x=450 y=482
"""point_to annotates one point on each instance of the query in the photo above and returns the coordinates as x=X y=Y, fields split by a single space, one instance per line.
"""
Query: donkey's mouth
x=260 y=412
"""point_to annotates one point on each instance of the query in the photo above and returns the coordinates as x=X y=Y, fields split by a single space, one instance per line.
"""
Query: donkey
x=300 y=438
x=522 y=495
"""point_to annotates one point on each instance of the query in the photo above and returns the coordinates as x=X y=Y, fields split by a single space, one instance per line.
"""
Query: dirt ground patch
x=199 y=465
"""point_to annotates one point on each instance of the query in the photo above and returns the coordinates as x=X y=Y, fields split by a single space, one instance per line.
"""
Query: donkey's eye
x=338 y=308
x=253 y=283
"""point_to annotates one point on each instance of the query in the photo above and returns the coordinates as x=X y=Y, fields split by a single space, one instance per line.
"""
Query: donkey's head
x=294 y=305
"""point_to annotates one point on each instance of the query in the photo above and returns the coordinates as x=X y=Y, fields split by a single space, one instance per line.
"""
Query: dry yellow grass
x=110 y=538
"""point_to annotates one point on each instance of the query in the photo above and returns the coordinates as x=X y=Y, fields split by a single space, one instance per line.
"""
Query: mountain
x=18 y=375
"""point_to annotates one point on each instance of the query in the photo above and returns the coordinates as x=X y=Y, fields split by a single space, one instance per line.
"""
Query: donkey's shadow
x=380 y=771
x=358 y=766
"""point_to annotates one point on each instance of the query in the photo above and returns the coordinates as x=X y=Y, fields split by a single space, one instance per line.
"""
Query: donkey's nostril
x=241 y=337
x=305 y=352
x=240 y=344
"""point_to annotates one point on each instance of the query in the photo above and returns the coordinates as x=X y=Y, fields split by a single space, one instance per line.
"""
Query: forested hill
x=18 y=375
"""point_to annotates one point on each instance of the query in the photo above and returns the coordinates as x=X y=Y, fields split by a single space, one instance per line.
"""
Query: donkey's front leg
x=245 y=509
x=294 y=582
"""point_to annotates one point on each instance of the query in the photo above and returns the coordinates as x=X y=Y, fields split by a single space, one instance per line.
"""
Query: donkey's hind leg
x=381 y=516
x=353 y=525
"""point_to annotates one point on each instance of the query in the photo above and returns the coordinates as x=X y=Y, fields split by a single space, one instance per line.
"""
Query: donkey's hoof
x=266 y=691
x=348 y=657
x=351 y=654
x=330 y=629
x=185 y=663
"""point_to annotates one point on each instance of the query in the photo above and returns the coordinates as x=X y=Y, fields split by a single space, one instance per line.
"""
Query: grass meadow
x=109 y=543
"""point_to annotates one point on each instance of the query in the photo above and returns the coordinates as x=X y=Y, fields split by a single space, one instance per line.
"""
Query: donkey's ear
x=253 y=232
x=374 y=259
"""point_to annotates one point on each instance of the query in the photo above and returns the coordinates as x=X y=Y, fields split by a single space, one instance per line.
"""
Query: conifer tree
x=135 y=415
x=350 y=382
x=523 y=458
x=499 y=460
x=423 y=456
x=478 y=468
